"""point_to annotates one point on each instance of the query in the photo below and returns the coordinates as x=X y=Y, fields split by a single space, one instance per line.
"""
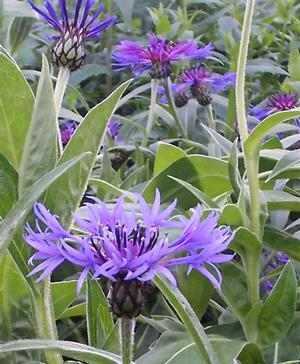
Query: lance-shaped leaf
x=64 y=196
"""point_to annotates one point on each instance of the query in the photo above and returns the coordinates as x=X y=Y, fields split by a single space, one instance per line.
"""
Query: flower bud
x=69 y=51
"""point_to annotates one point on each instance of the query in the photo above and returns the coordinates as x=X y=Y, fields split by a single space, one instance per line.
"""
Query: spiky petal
x=69 y=50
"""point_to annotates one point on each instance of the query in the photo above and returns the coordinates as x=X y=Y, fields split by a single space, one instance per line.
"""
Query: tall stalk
x=44 y=318
x=251 y=159
x=127 y=326
x=60 y=89
x=154 y=87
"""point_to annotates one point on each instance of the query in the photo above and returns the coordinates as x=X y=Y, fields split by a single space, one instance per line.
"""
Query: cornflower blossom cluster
x=276 y=262
x=66 y=131
x=113 y=129
x=128 y=248
x=276 y=103
x=202 y=82
x=158 y=57
x=69 y=50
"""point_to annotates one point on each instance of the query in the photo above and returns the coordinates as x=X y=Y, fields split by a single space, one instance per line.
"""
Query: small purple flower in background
x=276 y=262
x=128 y=247
x=113 y=129
x=276 y=103
x=158 y=57
x=202 y=82
x=66 y=131
x=69 y=50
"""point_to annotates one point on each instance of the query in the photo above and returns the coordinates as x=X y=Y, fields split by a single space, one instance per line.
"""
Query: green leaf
x=175 y=347
x=235 y=289
x=166 y=155
x=64 y=196
x=189 y=319
x=40 y=149
x=280 y=200
x=282 y=241
x=18 y=32
x=287 y=161
x=8 y=186
x=278 y=311
x=99 y=319
x=63 y=294
x=251 y=354
x=108 y=187
x=231 y=215
x=198 y=298
x=201 y=197
x=294 y=61
x=255 y=139
x=18 y=213
x=16 y=105
x=67 y=348
x=207 y=174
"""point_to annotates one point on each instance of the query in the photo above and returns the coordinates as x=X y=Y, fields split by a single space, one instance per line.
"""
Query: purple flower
x=275 y=103
x=113 y=129
x=158 y=57
x=66 y=132
x=69 y=50
x=276 y=262
x=202 y=82
x=130 y=244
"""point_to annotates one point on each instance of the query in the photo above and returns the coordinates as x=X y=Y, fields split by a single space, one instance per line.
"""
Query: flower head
x=276 y=262
x=158 y=57
x=69 y=50
x=113 y=129
x=202 y=82
x=66 y=132
x=275 y=103
x=129 y=246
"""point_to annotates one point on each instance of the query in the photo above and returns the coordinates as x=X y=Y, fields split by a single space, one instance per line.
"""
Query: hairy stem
x=251 y=159
x=241 y=71
x=167 y=87
x=60 y=89
x=44 y=319
x=211 y=120
x=127 y=339
x=154 y=86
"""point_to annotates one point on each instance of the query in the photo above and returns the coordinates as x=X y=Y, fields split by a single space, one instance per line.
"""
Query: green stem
x=252 y=266
x=44 y=319
x=241 y=71
x=211 y=119
x=127 y=326
x=60 y=89
x=154 y=87
x=251 y=159
x=167 y=87
x=251 y=163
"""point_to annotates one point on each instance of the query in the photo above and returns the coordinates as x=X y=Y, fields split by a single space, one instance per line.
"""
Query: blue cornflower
x=158 y=57
x=69 y=50
x=279 y=102
x=279 y=260
x=66 y=131
x=113 y=129
x=202 y=82
x=128 y=246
